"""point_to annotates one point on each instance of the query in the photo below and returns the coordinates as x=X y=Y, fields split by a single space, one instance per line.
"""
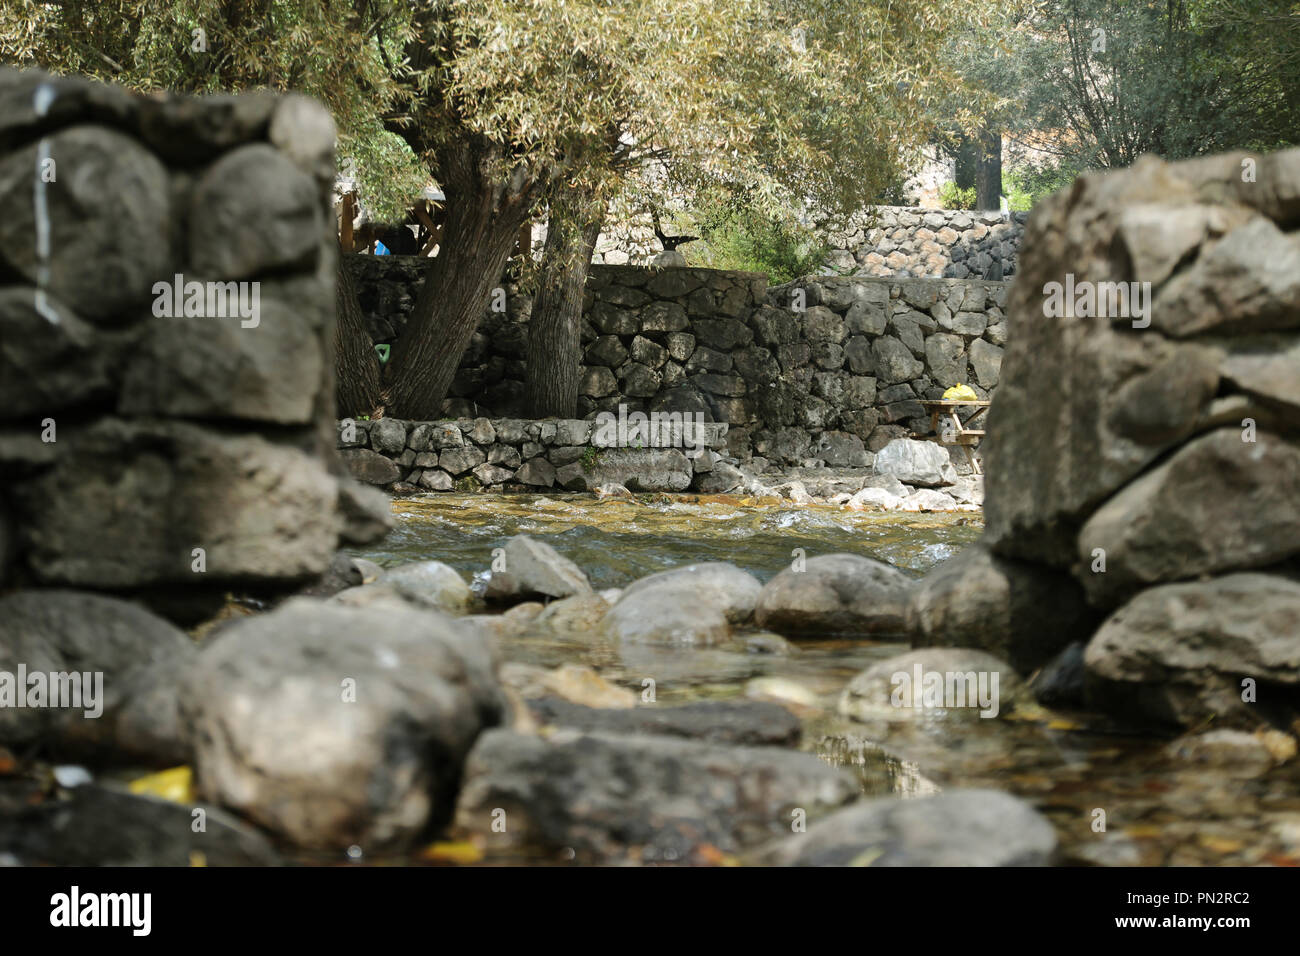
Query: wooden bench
x=960 y=433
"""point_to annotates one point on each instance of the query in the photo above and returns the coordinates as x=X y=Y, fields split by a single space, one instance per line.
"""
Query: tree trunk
x=356 y=382
x=988 y=174
x=554 y=329
x=484 y=216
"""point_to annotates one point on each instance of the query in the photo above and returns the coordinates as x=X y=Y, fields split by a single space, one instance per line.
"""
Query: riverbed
x=1116 y=797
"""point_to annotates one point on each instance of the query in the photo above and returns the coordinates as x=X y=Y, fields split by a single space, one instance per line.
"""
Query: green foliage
x=1080 y=84
x=590 y=458
x=739 y=236
x=952 y=196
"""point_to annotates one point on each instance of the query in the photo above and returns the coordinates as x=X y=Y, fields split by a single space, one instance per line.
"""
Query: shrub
x=951 y=197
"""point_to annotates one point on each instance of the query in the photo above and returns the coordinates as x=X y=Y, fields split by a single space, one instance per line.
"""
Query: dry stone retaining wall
x=826 y=370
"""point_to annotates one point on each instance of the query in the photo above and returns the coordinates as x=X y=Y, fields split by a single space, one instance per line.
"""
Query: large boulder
x=746 y=723
x=1217 y=504
x=933 y=682
x=915 y=462
x=836 y=594
x=1088 y=402
x=1022 y=612
x=534 y=569
x=1181 y=654
x=128 y=660
x=962 y=828
x=334 y=726
x=607 y=797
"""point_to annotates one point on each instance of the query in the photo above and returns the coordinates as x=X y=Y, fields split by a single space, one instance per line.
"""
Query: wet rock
x=914 y=462
x=1233 y=749
x=933 y=682
x=779 y=690
x=335 y=726
x=575 y=683
x=961 y=828
x=1179 y=653
x=741 y=723
x=655 y=616
x=614 y=798
x=101 y=826
x=1060 y=682
x=429 y=584
x=534 y=569
x=1021 y=612
x=572 y=616
x=367 y=513
x=141 y=658
x=836 y=593
x=717 y=583
x=341 y=575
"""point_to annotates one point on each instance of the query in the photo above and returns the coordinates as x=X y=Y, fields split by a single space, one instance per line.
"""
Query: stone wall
x=879 y=241
x=518 y=455
x=169 y=454
x=913 y=241
x=1143 y=464
x=824 y=370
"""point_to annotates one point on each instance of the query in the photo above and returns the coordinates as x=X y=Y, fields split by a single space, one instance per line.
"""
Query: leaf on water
x=868 y=856
x=1220 y=844
x=462 y=852
x=176 y=785
x=1144 y=831
x=712 y=856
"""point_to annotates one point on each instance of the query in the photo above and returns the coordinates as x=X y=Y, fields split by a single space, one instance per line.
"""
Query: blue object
x=381 y=249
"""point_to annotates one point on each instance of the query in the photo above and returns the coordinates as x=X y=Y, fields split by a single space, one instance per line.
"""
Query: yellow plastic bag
x=960 y=393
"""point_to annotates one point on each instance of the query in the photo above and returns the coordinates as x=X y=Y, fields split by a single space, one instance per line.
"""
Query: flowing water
x=1077 y=769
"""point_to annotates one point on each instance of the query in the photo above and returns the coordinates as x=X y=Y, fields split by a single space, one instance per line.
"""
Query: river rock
x=916 y=462
x=333 y=726
x=577 y=684
x=1178 y=654
x=961 y=828
x=888 y=691
x=608 y=797
x=423 y=584
x=739 y=723
x=836 y=593
x=534 y=569
x=1023 y=613
x=718 y=583
x=100 y=826
x=141 y=657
